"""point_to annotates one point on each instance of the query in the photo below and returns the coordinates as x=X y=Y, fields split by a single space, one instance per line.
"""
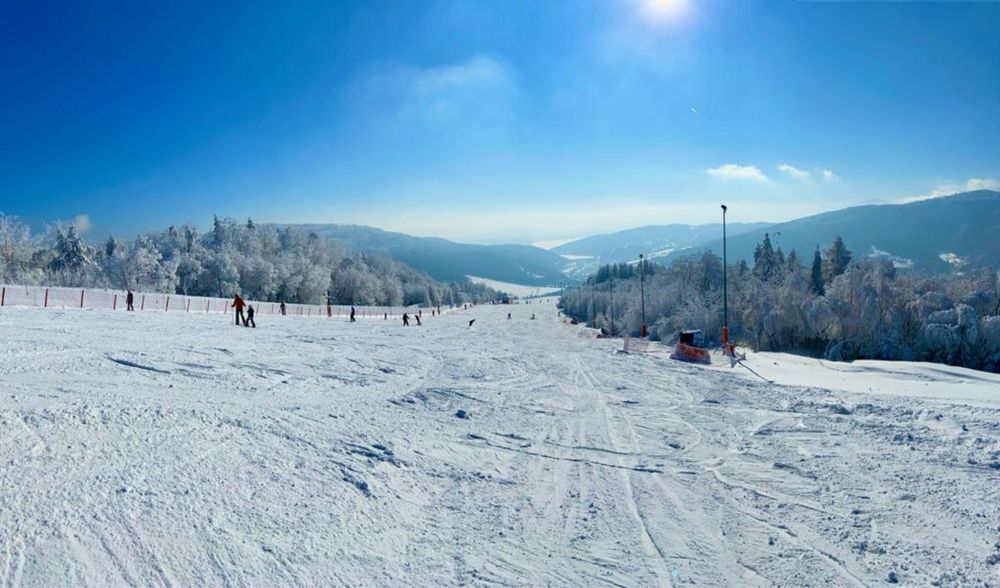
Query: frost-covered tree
x=259 y=261
x=869 y=310
x=836 y=260
x=15 y=249
x=71 y=254
x=765 y=261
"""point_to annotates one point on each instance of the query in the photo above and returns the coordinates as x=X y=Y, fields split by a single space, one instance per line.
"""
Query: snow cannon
x=691 y=348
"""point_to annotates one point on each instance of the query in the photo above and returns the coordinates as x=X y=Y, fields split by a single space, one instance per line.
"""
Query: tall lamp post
x=611 y=284
x=725 y=287
x=593 y=304
x=642 y=293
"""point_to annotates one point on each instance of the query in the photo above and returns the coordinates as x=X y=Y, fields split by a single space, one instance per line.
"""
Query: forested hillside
x=831 y=303
x=260 y=262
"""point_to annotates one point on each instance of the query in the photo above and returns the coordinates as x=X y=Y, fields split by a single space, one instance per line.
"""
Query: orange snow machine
x=691 y=348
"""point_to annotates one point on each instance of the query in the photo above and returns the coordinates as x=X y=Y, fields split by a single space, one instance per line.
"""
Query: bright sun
x=665 y=10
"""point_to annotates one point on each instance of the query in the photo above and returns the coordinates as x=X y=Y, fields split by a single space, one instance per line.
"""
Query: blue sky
x=491 y=121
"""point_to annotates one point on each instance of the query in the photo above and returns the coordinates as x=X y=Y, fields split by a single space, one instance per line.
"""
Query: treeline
x=260 y=262
x=833 y=305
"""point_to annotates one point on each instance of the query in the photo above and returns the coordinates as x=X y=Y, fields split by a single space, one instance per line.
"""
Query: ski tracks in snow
x=180 y=450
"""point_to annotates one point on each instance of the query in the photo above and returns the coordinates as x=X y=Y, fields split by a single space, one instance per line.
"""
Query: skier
x=282 y=308
x=470 y=323
x=238 y=304
x=129 y=299
x=417 y=316
x=406 y=320
x=532 y=316
x=508 y=316
x=249 y=318
x=352 y=315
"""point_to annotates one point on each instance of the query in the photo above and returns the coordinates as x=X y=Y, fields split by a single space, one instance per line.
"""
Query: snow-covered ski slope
x=160 y=449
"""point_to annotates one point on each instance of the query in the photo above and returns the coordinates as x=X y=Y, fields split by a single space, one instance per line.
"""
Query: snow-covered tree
x=836 y=260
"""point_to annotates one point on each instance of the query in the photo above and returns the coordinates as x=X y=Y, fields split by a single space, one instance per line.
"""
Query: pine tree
x=836 y=260
x=111 y=247
x=816 y=278
x=764 y=260
x=71 y=253
x=792 y=262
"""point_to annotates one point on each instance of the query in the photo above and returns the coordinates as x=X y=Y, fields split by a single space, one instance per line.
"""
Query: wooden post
x=81 y=297
x=142 y=304
x=3 y=295
x=114 y=303
x=46 y=303
x=166 y=307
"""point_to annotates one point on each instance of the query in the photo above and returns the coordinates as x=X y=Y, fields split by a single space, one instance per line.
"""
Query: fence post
x=166 y=307
x=3 y=295
x=114 y=302
x=142 y=304
x=46 y=303
x=188 y=306
x=81 y=298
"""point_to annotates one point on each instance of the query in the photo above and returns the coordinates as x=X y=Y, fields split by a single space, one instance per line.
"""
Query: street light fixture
x=642 y=294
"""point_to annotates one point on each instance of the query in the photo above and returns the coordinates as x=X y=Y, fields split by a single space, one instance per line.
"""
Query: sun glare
x=665 y=11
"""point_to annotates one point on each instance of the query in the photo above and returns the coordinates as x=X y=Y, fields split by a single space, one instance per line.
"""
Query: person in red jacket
x=238 y=304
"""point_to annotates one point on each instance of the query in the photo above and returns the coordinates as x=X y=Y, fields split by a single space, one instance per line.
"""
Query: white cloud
x=828 y=175
x=478 y=86
x=478 y=71
x=81 y=223
x=982 y=184
x=793 y=171
x=476 y=94
x=947 y=189
x=732 y=171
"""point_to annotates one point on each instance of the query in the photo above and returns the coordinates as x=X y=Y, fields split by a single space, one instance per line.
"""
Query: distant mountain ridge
x=933 y=235
x=450 y=261
x=585 y=255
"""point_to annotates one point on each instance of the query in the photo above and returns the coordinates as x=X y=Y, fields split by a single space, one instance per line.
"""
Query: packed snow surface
x=173 y=449
x=944 y=383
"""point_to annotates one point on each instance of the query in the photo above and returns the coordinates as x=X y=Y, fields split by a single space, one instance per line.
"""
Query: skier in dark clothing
x=352 y=315
x=282 y=308
x=406 y=320
x=249 y=322
x=508 y=316
x=417 y=316
x=129 y=299
x=238 y=304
